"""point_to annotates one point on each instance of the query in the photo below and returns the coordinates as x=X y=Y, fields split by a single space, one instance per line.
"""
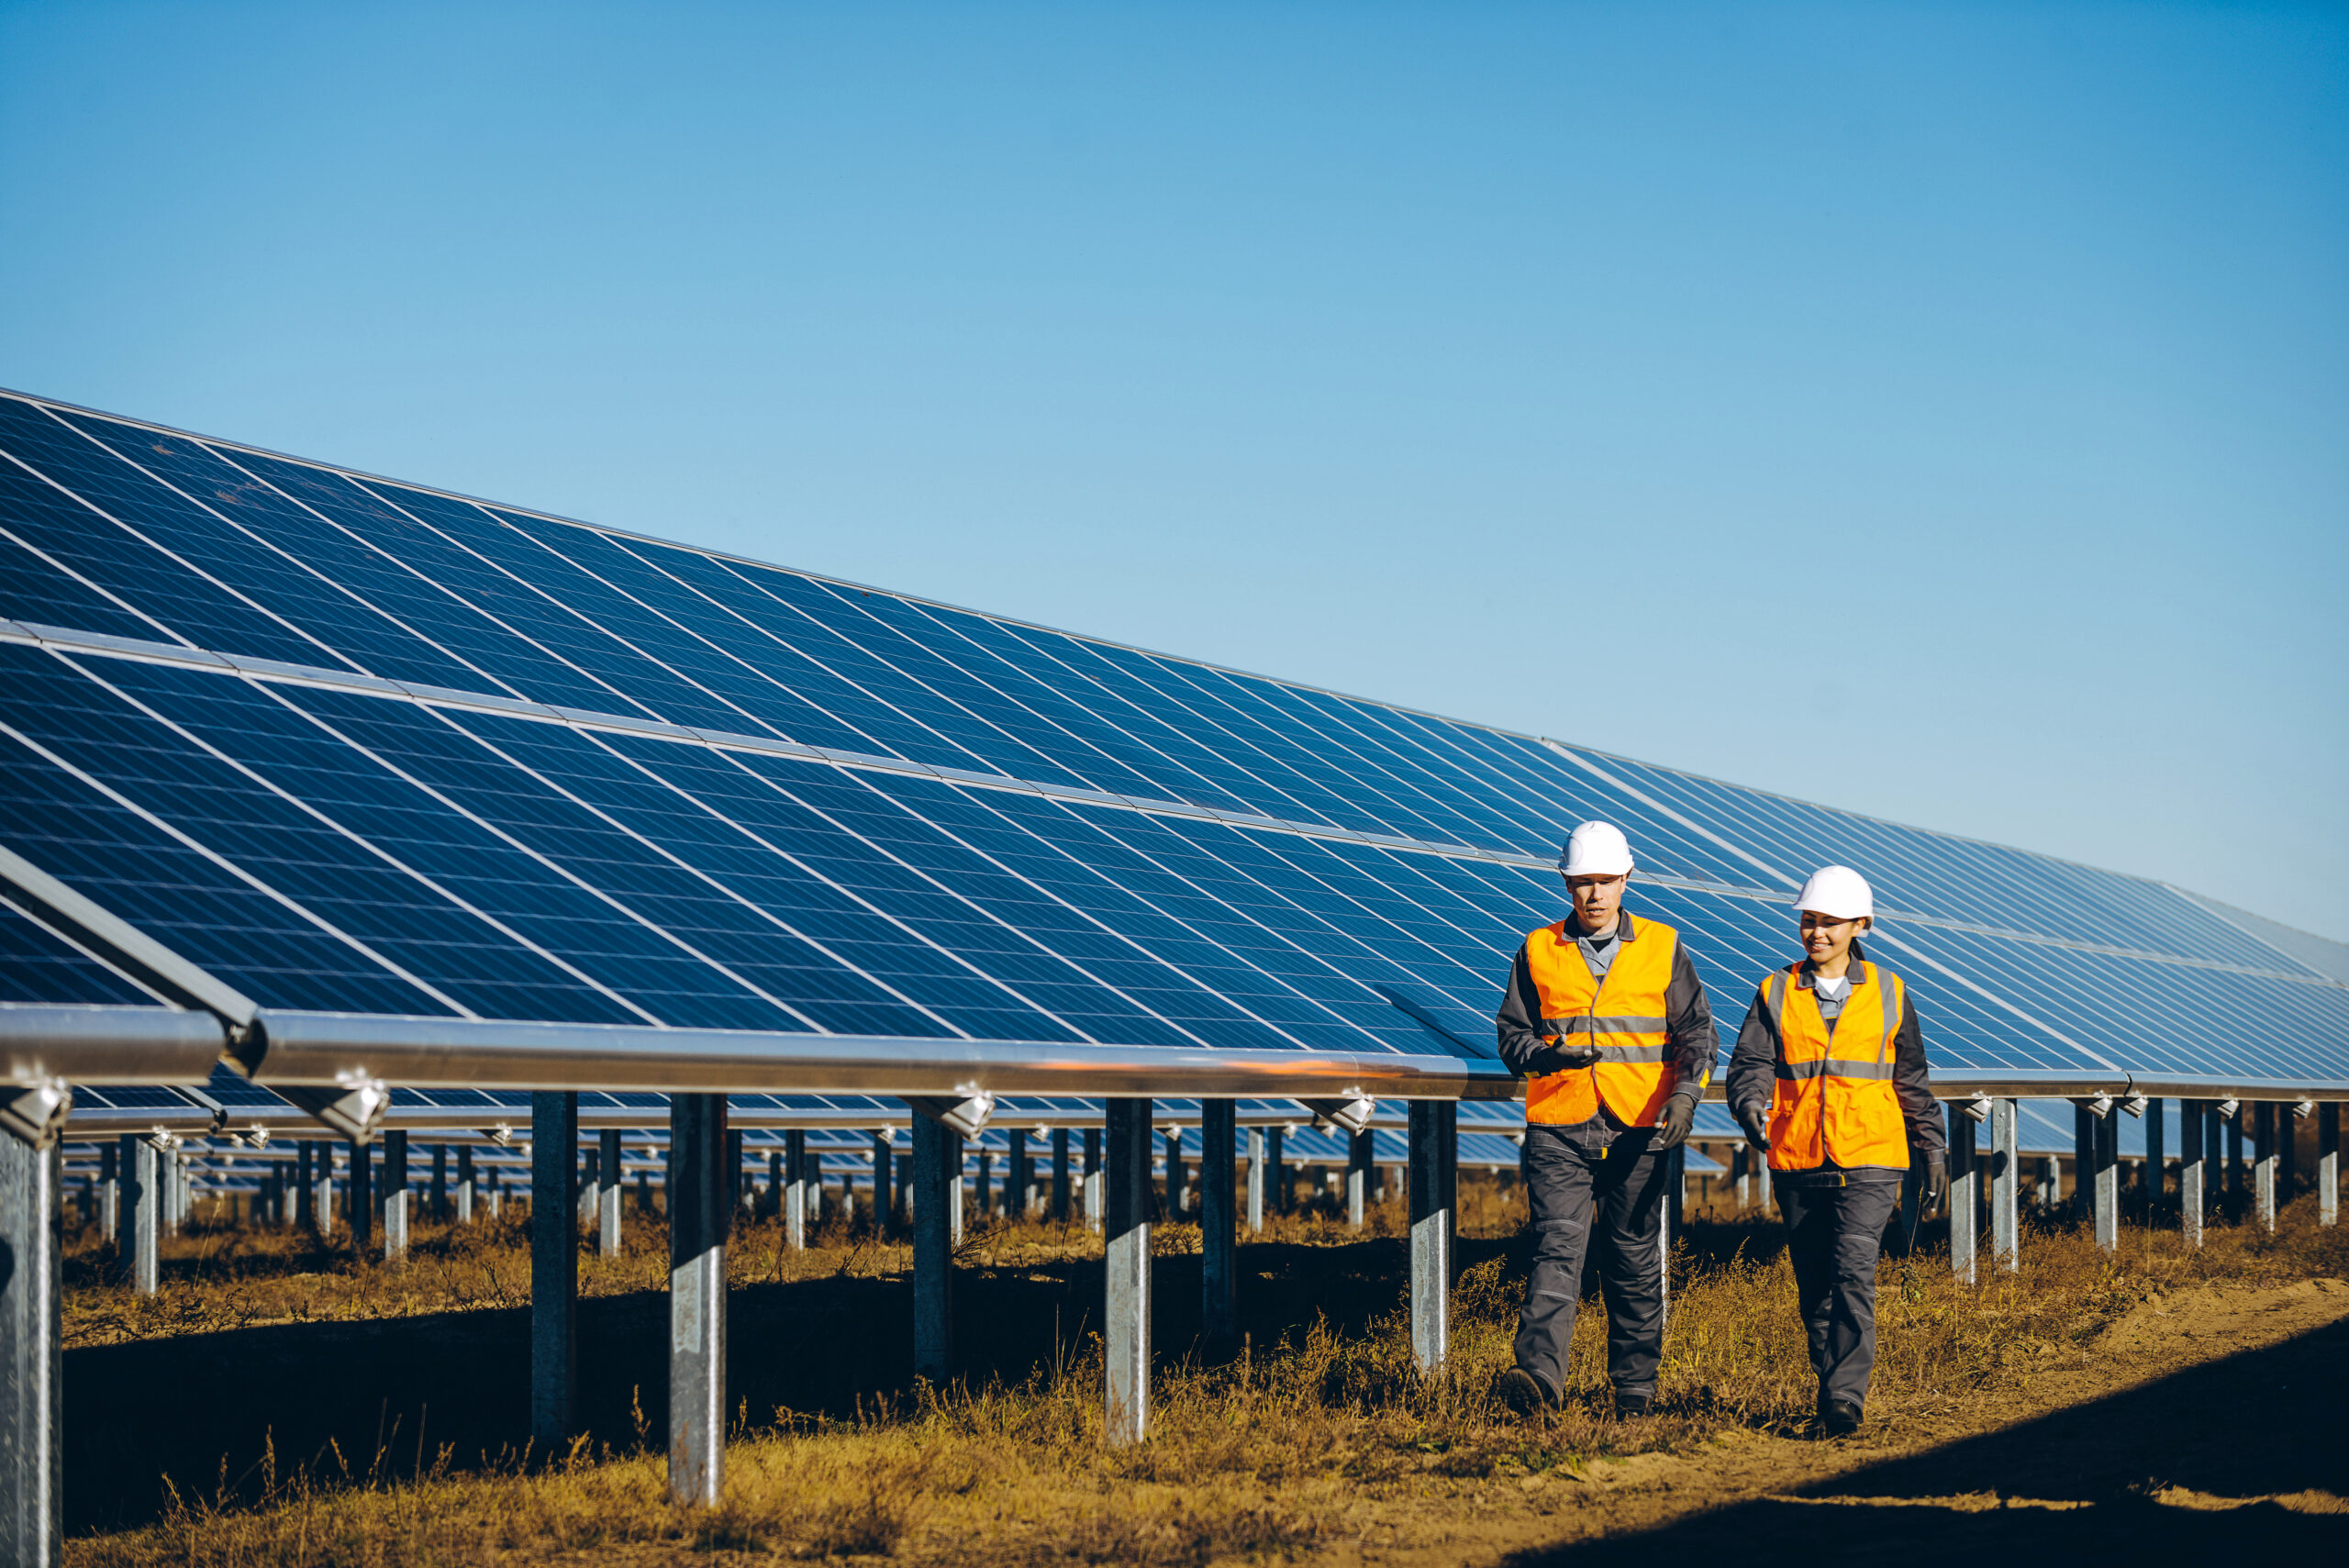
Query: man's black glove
x=1936 y=1185
x=1672 y=1127
x=1565 y=1058
x=1757 y=1129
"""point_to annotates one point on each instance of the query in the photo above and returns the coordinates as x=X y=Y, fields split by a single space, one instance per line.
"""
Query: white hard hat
x=1839 y=893
x=1596 y=848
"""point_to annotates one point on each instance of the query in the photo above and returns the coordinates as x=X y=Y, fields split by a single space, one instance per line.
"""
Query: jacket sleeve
x=1692 y=1044
x=1911 y=1081
x=1523 y=1048
x=1751 y=1083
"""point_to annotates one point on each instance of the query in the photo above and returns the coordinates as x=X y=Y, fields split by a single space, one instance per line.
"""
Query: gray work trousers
x=1834 y=1236
x=1577 y=1181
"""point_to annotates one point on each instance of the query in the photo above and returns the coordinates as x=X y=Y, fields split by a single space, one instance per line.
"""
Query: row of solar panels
x=890 y=818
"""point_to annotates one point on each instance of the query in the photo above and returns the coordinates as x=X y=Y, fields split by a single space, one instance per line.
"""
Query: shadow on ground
x=201 y=1408
x=2087 y=1481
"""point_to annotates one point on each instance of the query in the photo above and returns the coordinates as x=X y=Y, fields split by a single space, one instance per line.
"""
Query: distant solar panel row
x=1014 y=833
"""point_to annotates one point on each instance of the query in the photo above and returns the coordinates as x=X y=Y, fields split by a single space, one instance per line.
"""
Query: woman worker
x=1830 y=1077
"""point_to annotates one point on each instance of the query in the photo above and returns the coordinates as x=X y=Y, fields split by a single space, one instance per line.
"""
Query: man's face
x=1597 y=900
x=1826 y=939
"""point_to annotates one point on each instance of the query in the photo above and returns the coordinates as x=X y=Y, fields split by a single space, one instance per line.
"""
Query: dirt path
x=2197 y=1419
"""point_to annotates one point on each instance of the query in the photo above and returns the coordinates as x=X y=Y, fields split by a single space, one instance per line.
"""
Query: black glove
x=1565 y=1058
x=1757 y=1129
x=1936 y=1185
x=1679 y=1114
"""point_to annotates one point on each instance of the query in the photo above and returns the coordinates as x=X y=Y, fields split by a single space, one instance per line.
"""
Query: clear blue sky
x=1942 y=412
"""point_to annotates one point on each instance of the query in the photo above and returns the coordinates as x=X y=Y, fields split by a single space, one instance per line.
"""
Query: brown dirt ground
x=2244 y=1391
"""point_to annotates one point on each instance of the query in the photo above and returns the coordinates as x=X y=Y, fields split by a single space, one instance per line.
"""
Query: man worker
x=1830 y=1077
x=1607 y=1023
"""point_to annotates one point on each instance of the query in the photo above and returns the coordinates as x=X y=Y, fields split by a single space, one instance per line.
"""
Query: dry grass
x=1286 y=1449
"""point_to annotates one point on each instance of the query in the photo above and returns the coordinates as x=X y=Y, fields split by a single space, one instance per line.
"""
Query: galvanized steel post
x=608 y=1191
x=142 y=1201
x=1219 y=1223
x=794 y=1189
x=1963 y=1195
x=554 y=1269
x=2106 y=1186
x=394 y=1198
x=2327 y=1163
x=32 y=1222
x=1276 y=1170
x=305 y=1211
x=2234 y=1162
x=361 y=1180
x=1434 y=1182
x=1060 y=1178
x=1126 y=1270
x=2193 y=1171
x=1177 y=1193
x=2006 y=1186
x=465 y=1183
x=1361 y=1151
x=701 y=1214
x=2262 y=1171
x=1093 y=1200
x=109 y=1191
x=1255 y=1178
x=938 y=1166
x=2156 y=1176
x=883 y=1165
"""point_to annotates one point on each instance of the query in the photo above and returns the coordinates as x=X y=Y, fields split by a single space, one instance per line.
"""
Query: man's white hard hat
x=1596 y=848
x=1839 y=893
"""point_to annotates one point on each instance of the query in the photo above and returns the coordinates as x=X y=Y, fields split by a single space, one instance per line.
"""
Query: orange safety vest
x=1624 y=1017
x=1833 y=1099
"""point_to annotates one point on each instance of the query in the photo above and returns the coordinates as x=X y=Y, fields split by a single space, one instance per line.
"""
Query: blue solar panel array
x=356 y=745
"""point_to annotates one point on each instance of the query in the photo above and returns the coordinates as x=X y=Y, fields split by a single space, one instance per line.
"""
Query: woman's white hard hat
x=1596 y=848
x=1839 y=893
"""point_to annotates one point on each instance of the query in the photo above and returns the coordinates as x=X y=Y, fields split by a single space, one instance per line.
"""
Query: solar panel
x=358 y=746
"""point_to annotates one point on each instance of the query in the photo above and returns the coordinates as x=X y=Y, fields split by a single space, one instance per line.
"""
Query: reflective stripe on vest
x=1622 y=1017
x=1833 y=1098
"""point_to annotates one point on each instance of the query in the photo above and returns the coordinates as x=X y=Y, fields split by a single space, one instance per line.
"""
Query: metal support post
x=608 y=1191
x=305 y=1211
x=883 y=1165
x=734 y=1170
x=322 y=1196
x=2287 y=1137
x=954 y=1196
x=554 y=1269
x=360 y=1200
x=1014 y=1175
x=794 y=1189
x=465 y=1183
x=1177 y=1198
x=2106 y=1187
x=2327 y=1163
x=1963 y=1203
x=141 y=1219
x=440 y=1203
x=701 y=1214
x=394 y=1197
x=2156 y=1180
x=1283 y=1195
x=1360 y=1154
x=109 y=1191
x=2234 y=1162
x=1434 y=1182
x=2006 y=1186
x=904 y=1190
x=938 y=1167
x=2193 y=1172
x=1126 y=1266
x=1219 y=1223
x=2262 y=1174
x=2083 y=1162
x=1060 y=1177
x=644 y=1191
x=1256 y=1178
x=1092 y=1176
x=984 y=1187
x=32 y=1407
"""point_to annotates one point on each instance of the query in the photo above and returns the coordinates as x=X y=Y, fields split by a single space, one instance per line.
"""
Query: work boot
x=1839 y=1418
x=1633 y=1402
x=1521 y=1391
